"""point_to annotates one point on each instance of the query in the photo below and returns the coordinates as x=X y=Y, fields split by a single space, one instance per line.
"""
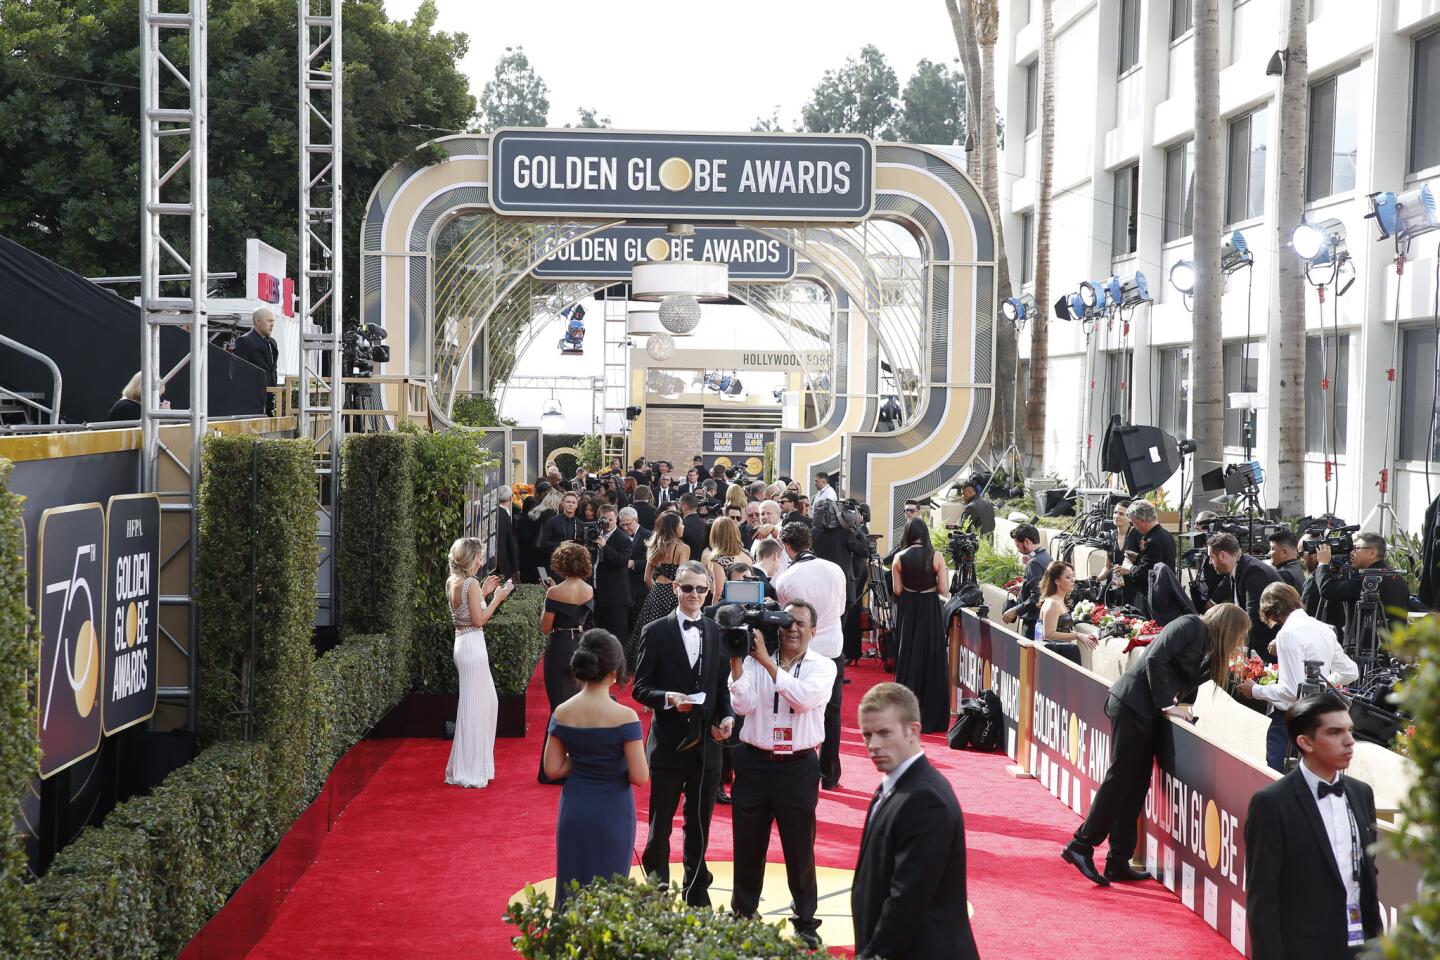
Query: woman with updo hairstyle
x=921 y=586
x=569 y=605
x=1055 y=628
x=596 y=746
x=472 y=755
x=664 y=553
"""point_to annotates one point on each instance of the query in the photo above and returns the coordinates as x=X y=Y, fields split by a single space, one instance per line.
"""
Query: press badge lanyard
x=783 y=738
x=1355 y=924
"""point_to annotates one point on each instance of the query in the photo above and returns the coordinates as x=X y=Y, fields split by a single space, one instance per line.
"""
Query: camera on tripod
x=362 y=347
x=1331 y=531
x=963 y=545
x=1314 y=682
x=737 y=620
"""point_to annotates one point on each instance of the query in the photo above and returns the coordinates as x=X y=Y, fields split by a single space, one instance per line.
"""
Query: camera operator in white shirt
x=1301 y=638
x=777 y=770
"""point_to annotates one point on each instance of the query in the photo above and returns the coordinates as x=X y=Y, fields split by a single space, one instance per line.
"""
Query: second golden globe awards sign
x=131 y=614
x=70 y=605
x=764 y=176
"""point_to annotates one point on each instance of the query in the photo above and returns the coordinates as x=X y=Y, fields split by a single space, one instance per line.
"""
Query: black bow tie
x=690 y=623
x=1336 y=788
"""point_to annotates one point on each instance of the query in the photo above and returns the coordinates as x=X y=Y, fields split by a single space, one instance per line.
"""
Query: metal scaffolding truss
x=321 y=255
x=173 y=241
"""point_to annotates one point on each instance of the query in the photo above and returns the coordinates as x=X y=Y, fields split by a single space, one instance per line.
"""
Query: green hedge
x=512 y=638
x=19 y=743
x=256 y=590
x=352 y=689
x=376 y=557
x=97 y=899
x=624 y=919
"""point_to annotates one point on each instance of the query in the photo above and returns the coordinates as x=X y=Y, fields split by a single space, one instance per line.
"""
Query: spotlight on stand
x=1182 y=277
x=1235 y=253
x=1093 y=295
x=1404 y=216
x=1128 y=291
x=1019 y=309
x=1320 y=244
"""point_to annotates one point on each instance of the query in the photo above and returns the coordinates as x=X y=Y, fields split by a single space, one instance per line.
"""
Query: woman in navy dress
x=596 y=745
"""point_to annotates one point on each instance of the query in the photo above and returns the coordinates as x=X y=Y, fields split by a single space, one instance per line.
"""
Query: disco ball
x=660 y=346
x=680 y=314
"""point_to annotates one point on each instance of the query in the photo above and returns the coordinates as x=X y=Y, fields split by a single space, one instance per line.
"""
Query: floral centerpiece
x=518 y=493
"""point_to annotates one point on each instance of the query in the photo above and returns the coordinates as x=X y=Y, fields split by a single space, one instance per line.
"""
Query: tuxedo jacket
x=644 y=514
x=612 y=571
x=909 y=901
x=1174 y=665
x=696 y=537
x=1296 y=903
x=638 y=545
x=663 y=666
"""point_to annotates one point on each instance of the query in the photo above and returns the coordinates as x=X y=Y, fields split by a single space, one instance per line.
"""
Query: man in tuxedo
x=1236 y=577
x=665 y=492
x=612 y=575
x=1027 y=543
x=909 y=900
x=643 y=502
x=507 y=548
x=257 y=347
x=692 y=526
x=1312 y=880
x=691 y=484
x=639 y=539
x=679 y=659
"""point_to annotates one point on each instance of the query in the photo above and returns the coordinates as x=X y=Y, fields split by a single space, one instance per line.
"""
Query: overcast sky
x=677 y=65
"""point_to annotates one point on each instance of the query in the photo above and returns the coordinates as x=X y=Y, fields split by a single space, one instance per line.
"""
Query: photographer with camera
x=565 y=525
x=1285 y=558
x=1232 y=576
x=783 y=698
x=612 y=574
x=1301 y=641
x=1339 y=586
x=1026 y=608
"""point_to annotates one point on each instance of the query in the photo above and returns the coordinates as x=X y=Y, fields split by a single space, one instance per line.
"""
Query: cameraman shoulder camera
x=1367 y=562
x=793 y=673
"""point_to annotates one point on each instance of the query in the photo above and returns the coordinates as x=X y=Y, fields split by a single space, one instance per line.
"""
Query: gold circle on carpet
x=1212 y=833
x=675 y=174
x=836 y=927
x=658 y=248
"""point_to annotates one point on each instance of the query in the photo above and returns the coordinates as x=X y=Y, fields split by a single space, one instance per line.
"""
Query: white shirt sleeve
x=1285 y=690
x=742 y=690
x=1342 y=669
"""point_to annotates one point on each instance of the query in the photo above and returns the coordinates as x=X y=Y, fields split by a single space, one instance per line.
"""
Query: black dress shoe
x=721 y=797
x=1083 y=860
x=1124 y=873
x=830 y=784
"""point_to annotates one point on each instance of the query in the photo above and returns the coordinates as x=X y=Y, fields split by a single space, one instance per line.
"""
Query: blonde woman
x=725 y=548
x=128 y=406
x=472 y=755
x=735 y=497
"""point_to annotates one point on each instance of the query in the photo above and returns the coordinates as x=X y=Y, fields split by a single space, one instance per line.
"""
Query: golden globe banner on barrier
x=991 y=658
x=69 y=607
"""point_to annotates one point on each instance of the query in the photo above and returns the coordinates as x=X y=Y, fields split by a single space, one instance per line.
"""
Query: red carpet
x=415 y=868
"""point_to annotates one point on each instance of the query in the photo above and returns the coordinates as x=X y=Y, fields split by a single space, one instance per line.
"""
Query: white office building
x=1123 y=190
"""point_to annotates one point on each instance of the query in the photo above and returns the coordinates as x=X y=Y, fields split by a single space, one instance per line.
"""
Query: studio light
x=1182 y=277
x=1129 y=290
x=552 y=415
x=1093 y=295
x=1019 y=309
x=1407 y=215
x=1320 y=244
x=1235 y=253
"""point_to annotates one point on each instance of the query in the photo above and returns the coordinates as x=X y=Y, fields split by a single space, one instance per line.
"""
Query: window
x=1242 y=375
x=1116 y=398
x=1334 y=366
x=1027 y=248
x=1334 y=136
x=1419 y=439
x=1032 y=98
x=1129 y=35
x=1424 y=93
x=1180 y=191
x=1173 y=392
x=1125 y=207
x=1248 y=29
x=1245 y=182
x=1182 y=18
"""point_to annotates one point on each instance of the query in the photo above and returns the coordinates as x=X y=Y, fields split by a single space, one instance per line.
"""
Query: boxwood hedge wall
x=512 y=638
x=19 y=744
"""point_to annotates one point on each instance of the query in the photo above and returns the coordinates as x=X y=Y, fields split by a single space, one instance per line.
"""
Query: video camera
x=362 y=347
x=963 y=545
x=591 y=531
x=1330 y=530
x=737 y=620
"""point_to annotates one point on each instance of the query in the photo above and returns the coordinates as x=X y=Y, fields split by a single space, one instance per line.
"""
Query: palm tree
x=1206 y=349
x=1040 y=323
x=1289 y=392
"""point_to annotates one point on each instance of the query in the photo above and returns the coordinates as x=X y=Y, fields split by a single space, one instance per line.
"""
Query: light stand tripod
x=1383 y=509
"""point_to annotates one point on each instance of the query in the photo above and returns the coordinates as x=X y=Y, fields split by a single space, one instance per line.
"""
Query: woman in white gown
x=472 y=755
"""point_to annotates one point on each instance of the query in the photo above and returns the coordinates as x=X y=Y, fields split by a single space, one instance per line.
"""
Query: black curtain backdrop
x=94 y=337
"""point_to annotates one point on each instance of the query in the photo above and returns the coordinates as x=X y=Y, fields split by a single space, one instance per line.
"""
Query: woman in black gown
x=919 y=580
x=663 y=556
x=568 y=608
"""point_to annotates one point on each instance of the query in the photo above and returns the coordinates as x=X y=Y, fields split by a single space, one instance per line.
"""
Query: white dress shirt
x=821 y=584
x=1333 y=813
x=824 y=493
x=1302 y=638
x=691 y=637
x=887 y=785
x=802 y=700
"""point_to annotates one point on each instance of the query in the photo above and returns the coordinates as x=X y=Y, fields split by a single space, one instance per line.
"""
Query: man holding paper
x=681 y=676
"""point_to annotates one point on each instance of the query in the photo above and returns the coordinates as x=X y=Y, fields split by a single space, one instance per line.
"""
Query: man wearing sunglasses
x=679 y=664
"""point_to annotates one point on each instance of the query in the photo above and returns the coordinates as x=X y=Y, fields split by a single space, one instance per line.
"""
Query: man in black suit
x=257 y=347
x=680 y=658
x=790 y=504
x=1027 y=543
x=1285 y=558
x=1312 y=880
x=692 y=526
x=1340 y=589
x=1234 y=576
x=639 y=539
x=612 y=575
x=507 y=548
x=1156 y=546
x=909 y=898
x=717 y=473
x=979 y=511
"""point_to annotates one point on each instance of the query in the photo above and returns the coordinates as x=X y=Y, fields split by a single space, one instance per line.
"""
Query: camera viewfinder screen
x=744 y=591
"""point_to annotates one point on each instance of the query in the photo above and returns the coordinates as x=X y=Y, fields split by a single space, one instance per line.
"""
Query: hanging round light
x=660 y=346
x=680 y=314
x=551 y=414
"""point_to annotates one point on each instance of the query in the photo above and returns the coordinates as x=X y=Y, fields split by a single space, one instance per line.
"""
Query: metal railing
x=56 y=380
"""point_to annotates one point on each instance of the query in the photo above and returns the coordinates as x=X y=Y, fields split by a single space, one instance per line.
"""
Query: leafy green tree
x=590 y=119
x=69 y=129
x=932 y=107
x=516 y=97
x=770 y=124
x=860 y=97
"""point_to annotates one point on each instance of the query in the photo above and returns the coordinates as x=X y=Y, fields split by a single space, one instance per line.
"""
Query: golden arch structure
x=453 y=282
